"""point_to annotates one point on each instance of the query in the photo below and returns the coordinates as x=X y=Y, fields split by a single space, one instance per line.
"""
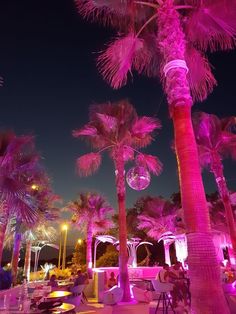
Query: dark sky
x=47 y=59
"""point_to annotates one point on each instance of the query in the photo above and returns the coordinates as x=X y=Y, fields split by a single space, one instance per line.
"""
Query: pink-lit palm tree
x=28 y=215
x=117 y=128
x=41 y=229
x=168 y=39
x=33 y=204
x=216 y=140
x=16 y=158
x=157 y=217
x=92 y=214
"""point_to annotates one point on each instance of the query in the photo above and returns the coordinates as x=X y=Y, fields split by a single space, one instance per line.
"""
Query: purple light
x=138 y=178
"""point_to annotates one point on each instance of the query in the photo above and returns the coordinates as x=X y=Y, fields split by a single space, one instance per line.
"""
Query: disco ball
x=138 y=178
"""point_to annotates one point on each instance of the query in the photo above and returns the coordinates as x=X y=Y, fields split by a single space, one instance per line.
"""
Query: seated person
x=5 y=279
x=163 y=275
x=177 y=277
x=81 y=279
x=52 y=282
x=112 y=280
x=72 y=276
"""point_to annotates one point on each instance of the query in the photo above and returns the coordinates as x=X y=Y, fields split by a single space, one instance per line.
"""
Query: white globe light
x=138 y=178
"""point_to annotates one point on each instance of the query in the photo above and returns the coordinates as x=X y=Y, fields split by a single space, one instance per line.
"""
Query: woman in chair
x=112 y=280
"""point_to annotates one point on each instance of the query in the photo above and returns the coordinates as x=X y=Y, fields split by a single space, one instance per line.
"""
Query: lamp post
x=64 y=228
x=60 y=251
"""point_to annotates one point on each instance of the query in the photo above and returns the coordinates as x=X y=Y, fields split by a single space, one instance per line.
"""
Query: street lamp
x=60 y=251
x=64 y=228
x=34 y=187
x=79 y=241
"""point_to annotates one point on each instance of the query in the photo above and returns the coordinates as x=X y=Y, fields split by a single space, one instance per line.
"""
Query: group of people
x=78 y=279
x=175 y=277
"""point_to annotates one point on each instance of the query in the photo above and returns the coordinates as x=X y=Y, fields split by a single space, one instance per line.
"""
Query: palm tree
x=118 y=128
x=168 y=39
x=16 y=158
x=91 y=215
x=41 y=233
x=157 y=217
x=34 y=205
x=216 y=140
x=41 y=230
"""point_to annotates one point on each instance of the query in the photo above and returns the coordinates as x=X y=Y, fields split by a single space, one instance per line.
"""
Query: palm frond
x=108 y=12
x=109 y=123
x=145 y=125
x=116 y=61
x=147 y=58
x=87 y=130
x=213 y=25
x=88 y=164
x=128 y=153
x=152 y=163
x=200 y=77
x=207 y=129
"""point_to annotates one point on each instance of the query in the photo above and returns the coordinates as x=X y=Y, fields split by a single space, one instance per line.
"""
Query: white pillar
x=167 y=252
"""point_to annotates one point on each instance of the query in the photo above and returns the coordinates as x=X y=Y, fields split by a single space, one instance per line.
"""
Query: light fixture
x=138 y=178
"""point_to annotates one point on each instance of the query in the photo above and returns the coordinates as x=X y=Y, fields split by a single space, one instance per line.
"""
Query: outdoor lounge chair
x=113 y=295
x=142 y=295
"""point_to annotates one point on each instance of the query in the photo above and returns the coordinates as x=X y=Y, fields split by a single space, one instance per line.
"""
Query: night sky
x=47 y=59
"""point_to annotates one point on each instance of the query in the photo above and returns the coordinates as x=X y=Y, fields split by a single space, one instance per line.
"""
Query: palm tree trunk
x=206 y=289
x=3 y=227
x=217 y=169
x=123 y=254
x=89 y=250
x=4 y=217
x=27 y=259
x=16 y=253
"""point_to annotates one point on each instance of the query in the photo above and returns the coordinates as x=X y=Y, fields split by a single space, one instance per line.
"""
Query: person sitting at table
x=177 y=277
x=81 y=279
x=163 y=274
x=111 y=281
x=52 y=282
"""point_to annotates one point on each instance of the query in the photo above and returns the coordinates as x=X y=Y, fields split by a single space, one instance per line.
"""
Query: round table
x=58 y=294
x=64 y=308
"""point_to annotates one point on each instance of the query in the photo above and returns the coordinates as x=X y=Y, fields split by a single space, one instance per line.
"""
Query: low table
x=64 y=308
x=58 y=294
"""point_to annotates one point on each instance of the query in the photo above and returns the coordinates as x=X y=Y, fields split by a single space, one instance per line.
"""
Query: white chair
x=142 y=295
x=164 y=289
x=113 y=295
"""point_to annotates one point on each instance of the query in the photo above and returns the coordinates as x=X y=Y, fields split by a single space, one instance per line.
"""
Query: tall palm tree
x=92 y=214
x=117 y=128
x=16 y=157
x=168 y=39
x=34 y=205
x=216 y=140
